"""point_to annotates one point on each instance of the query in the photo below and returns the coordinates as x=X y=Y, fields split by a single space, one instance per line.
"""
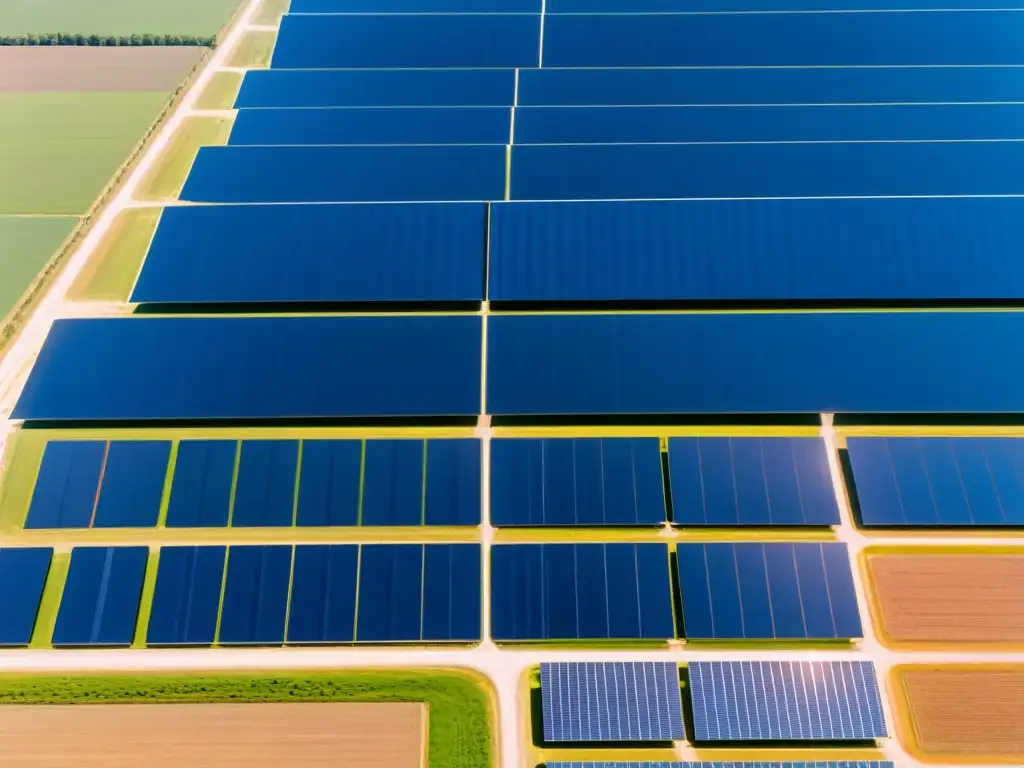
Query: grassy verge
x=167 y=178
x=271 y=11
x=254 y=51
x=21 y=466
x=220 y=92
x=460 y=719
x=110 y=274
x=47 y=615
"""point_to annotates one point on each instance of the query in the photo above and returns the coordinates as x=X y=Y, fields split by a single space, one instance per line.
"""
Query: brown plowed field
x=70 y=68
x=212 y=735
x=967 y=599
x=969 y=715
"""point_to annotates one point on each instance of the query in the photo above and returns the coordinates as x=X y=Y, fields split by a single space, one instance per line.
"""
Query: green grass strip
x=234 y=482
x=146 y=599
x=362 y=483
x=42 y=635
x=355 y=613
x=298 y=477
x=220 y=600
x=423 y=488
x=288 y=604
x=165 y=497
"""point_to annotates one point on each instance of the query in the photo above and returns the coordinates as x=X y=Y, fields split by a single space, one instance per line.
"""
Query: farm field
x=66 y=69
x=115 y=17
x=110 y=273
x=948 y=598
x=370 y=735
x=26 y=244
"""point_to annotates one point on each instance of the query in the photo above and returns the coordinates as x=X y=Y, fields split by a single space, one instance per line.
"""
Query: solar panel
x=330 y=482
x=452 y=477
x=132 y=487
x=255 y=599
x=265 y=489
x=186 y=598
x=323 y=594
x=938 y=482
x=201 y=487
x=65 y=491
x=23 y=573
x=393 y=478
x=611 y=701
x=100 y=602
x=413 y=6
x=785 y=701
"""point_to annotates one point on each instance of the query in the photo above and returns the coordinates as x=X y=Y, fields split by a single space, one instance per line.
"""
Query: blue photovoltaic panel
x=785 y=701
x=416 y=6
x=938 y=481
x=66 y=487
x=377 y=88
x=413 y=40
x=265 y=490
x=201 y=488
x=728 y=481
x=727 y=764
x=388 y=252
x=384 y=125
x=255 y=595
x=346 y=174
x=580 y=591
x=775 y=591
x=393 y=482
x=187 y=596
x=637 y=125
x=841 y=169
x=452 y=483
x=323 y=597
x=23 y=573
x=737 y=6
x=452 y=601
x=708 y=363
x=329 y=482
x=758 y=85
x=757 y=250
x=390 y=593
x=611 y=701
x=133 y=484
x=204 y=368
x=576 y=481
x=100 y=602
x=782 y=39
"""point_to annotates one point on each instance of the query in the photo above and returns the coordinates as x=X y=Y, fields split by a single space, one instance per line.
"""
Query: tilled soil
x=70 y=68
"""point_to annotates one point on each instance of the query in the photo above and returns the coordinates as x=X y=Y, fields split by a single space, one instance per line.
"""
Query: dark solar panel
x=201 y=488
x=255 y=595
x=132 y=488
x=23 y=573
x=186 y=598
x=66 y=486
x=265 y=490
x=101 y=596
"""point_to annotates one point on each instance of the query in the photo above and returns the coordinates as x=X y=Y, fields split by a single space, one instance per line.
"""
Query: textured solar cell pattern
x=785 y=701
x=100 y=602
x=201 y=489
x=772 y=591
x=255 y=595
x=186 y=598
x=611 y=701
x=134 y=473
x=265 y=489
x=938 y=482
x=65 y=491
x=23 y=573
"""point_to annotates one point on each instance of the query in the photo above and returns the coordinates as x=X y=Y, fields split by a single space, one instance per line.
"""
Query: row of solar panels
x=761 y=701
x=538 y=366
x=722 y=764
x=649 y=40
x=616 y=6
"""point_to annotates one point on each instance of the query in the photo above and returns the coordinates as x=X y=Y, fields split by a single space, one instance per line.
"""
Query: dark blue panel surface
x=23 y=573
x=187 y=596
x=584 y=481
x=377 y=88
x=452 y=483
x=428 y=40
x=938 y=481
x=210 y=368
x=385 y=125
x=733 y=6
x=393 y=482
x=644 y=171
x=935 y=362
x=390 y=593
x=785 y=701
x=451 y=592
x=416 y=6
x=345 y=174
x=751 y=481
x=323 y=599
x=100 y=602
x=329 y=482
x=133 y=484
x=750 y=250
x=386 y=252
x=779 y=591
x=67 y=484
x=770 y=85
x=580 y=591
x=255 y=595
x=265 y=491
x=201 y=489
x=783 y=39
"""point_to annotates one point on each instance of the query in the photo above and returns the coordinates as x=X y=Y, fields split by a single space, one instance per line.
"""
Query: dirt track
x=950 y=598
x=69 y=68
x=212 y=735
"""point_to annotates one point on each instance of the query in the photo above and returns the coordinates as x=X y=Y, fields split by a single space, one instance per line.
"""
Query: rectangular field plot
x=595 y=481
x=963 y=714
x=937 y=482
x=767 y=591
x=187 y=596
x=196 y=368
x=23 y=574
x=611 y=702
x=974 y=599
x=255 y=599
x=101 y=597
x=377 y=252
x=785 y=701
x=580 y=592
x=727 y=481
x=202 y=484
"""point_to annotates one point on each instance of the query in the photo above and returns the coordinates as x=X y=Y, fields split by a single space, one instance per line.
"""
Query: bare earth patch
x=968 y=715
x=212 y=735
x=70 y=68
x=976 y=599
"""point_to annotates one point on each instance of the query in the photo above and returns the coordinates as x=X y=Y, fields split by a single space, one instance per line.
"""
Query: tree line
x=60 y=38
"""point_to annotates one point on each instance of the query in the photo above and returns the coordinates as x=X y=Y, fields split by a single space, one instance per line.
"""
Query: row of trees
x=59 y=38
